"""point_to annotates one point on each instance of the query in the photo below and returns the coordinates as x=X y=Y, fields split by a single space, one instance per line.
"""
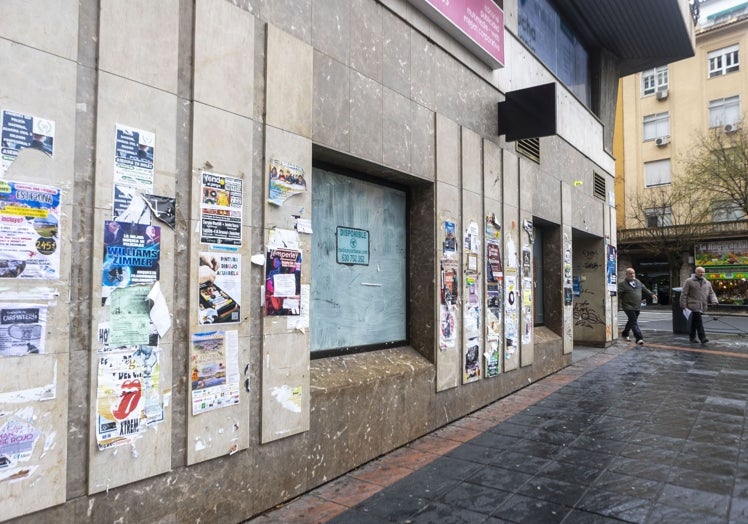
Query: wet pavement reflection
x=634 y=434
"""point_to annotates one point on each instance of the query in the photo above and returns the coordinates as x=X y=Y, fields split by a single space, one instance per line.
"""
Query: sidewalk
x=634 y=434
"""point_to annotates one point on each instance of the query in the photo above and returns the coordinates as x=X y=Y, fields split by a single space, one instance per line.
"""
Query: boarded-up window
x=359 y=271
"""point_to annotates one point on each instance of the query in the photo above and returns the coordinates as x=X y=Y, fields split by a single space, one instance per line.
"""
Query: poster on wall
x=472 y=359
x=286 y=180
x=511 y=308
x=128 y=398
x=133 y=157
x=612 y=270
x=20 y=131
x=282 y=282
x=494 y=282
x=220 y=209
x=472 y=306
x=449 y=288
x=18 y=437
x=214 y=370
x=129 y=316
x=22 y=329
x=29 y=231
x=527 y=285
x=131 y=256
x=219 y=288
x=134 y=151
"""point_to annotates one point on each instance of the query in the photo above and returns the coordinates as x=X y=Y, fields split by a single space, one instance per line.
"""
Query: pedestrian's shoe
x=692 y=340
x=628 y=338
x=640 y=342
x=704 y=341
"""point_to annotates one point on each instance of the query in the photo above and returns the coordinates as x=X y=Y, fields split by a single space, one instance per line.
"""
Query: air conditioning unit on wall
x=731 y=128
x=662 y=141
x=662 y=94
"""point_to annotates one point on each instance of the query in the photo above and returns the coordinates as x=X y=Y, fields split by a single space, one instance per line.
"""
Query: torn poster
x=220 y=210
x=286 y=180
x=128 y=399
x=22 y=329
x=17 y=441
x=20 y=131
x=163 y=208
x=131 y=256
x=220 y=288
x=29 y=231
x=160 y=316
x=214 y=368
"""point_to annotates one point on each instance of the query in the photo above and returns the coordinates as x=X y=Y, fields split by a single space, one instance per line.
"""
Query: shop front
x=726 y=265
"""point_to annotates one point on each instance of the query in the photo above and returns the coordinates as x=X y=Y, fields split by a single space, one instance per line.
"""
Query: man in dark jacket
x=696 y=295
x=630 y=293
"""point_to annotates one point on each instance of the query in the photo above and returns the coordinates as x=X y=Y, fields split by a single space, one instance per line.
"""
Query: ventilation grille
x=530 y=148
x=599 y=188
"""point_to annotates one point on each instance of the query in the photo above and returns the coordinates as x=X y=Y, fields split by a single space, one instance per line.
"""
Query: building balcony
x=709 y=231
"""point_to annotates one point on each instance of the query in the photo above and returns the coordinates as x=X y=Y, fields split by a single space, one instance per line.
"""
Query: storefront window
x=359 y=265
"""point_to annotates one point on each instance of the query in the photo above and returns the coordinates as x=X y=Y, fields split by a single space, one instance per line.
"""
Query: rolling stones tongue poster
x=128 y=399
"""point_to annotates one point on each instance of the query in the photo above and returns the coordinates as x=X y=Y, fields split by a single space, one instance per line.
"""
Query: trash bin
x=680 y=322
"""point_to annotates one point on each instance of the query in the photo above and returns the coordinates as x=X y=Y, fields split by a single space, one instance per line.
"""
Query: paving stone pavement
x=628 y=434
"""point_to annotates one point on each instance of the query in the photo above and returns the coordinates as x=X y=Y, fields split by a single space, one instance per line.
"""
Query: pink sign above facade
x=477 y=24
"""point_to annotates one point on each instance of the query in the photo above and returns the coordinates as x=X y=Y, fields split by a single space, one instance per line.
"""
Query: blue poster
x=131 y=255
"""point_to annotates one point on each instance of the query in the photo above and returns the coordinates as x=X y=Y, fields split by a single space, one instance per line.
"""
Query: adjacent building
x=663 y=112
x=249 y=246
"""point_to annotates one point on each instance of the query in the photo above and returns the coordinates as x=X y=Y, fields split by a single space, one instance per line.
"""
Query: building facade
x=249 y=246
x=664 y=113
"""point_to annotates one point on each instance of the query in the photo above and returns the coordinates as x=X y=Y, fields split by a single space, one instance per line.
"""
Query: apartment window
x=723 y=61
x=657 y=173
x=727 y=211
x=659 y=216
x=724 y=111
x=556 y=44
x=654 y=80
x=656 y=126
x=359 y=284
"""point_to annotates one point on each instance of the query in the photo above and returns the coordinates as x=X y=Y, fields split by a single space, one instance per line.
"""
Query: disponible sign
x=353 y=246
x=476 y=24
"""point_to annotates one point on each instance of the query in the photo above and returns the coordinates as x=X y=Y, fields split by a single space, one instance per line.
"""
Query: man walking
x=696 y=295
x=630 y=293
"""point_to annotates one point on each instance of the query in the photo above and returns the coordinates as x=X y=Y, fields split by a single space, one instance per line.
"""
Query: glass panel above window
x=556 y=44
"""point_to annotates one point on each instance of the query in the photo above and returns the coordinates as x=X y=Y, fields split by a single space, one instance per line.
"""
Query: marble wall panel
x=331 y=29
x=472 y=161
x=422 y=73
x=366 y=117
x=366 y=39
x=224 y=56
x=447 y=151
x=332 y=103
x=423 y=138
x=37 y=25
x=289 y=83
x=138 y=41
x=396 y=58
x=398 y=129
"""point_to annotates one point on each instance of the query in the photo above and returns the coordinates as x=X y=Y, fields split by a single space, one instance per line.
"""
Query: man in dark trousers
x=696 y=296
x=630 y=293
